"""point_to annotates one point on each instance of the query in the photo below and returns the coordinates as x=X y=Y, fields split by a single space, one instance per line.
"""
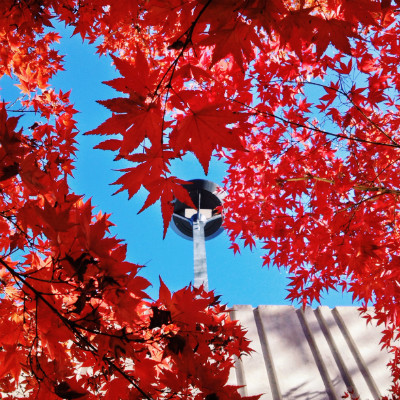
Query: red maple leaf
x=205 y=126
x=135 y=117
x=167 y=189
x=236 y=39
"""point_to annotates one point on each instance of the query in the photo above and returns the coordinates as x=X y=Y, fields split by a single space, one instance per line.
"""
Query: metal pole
x=199 y=253
x=199 y=223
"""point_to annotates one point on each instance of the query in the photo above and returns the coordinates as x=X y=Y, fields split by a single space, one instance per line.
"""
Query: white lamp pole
x=200 y=224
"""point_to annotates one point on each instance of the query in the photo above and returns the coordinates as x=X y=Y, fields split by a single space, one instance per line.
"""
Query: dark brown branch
x=313 y=128
x=172 y=68
x=363 y=188
x=71 y=326
x=188 y=33
x=359 y=109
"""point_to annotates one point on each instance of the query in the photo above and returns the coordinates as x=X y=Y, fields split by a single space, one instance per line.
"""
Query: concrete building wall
x=310 y=355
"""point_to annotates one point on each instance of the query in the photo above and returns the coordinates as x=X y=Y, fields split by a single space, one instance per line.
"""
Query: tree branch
x=360 y=187
x=313 y=128
x=359 y=109
x=71 y=326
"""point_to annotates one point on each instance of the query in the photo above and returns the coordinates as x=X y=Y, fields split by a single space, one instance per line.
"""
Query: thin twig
x=71 y=325
x=313 y=128
x=364 y=188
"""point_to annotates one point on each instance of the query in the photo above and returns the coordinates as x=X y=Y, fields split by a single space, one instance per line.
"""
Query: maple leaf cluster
x=75 y=319
x=300 y=97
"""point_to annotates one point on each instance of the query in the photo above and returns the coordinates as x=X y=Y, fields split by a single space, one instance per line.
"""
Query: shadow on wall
x=311 y=354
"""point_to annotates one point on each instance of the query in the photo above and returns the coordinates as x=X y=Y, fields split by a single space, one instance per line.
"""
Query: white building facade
x=310 y=355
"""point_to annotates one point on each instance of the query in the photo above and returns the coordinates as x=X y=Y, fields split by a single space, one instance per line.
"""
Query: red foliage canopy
x=300 y=97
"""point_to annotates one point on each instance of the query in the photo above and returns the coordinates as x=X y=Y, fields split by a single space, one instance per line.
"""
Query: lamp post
x=200 y=224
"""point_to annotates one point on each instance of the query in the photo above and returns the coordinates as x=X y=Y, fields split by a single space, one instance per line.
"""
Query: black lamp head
x=207 y=197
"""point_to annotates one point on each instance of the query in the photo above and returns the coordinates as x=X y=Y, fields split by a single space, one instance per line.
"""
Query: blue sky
x=239 y=278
